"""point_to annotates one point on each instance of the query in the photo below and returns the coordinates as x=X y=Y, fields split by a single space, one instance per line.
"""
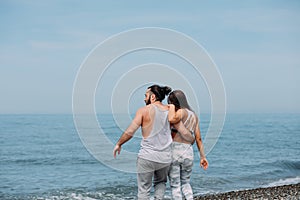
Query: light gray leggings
x=181 y=170
x=146 y=171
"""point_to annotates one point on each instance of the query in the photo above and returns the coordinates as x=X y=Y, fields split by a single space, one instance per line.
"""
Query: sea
x=42 y=157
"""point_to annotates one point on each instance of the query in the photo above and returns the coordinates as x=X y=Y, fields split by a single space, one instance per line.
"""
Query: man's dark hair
x=160 y=92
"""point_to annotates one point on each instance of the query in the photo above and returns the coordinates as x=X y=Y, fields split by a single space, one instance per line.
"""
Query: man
x=154 y=156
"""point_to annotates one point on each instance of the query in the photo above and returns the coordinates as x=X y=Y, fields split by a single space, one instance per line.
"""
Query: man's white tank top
x=157 y=146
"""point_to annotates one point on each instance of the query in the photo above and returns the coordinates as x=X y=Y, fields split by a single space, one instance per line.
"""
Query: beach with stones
x=278 y=192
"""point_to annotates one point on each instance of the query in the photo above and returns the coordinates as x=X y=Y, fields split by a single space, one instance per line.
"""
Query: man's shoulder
x=144 y=108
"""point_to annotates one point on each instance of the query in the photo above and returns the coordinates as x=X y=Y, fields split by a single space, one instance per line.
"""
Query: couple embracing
x=169 y=132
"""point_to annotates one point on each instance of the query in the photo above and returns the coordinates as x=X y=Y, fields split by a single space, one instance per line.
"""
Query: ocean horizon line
x=105 y=113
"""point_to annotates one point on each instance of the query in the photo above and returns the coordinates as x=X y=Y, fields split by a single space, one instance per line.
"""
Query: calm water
x=42 y=157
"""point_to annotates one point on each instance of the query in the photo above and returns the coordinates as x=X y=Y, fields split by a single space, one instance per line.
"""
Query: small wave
x=43 y=161
x=117 y=192
x=278 y=164
x=286 y=181
x=290 y=165
x=70 y=196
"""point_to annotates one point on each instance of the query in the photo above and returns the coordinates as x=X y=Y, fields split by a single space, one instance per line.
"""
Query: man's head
x=156 y=93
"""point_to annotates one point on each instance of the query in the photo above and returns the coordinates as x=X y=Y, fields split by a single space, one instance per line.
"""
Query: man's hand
x=204 y=163
x=117 y=149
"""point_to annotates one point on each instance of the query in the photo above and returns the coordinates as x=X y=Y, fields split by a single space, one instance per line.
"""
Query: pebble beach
x=291 y=192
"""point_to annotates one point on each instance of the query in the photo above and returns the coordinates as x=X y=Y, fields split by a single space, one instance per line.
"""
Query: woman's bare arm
x=184 y=132
x=203 y=161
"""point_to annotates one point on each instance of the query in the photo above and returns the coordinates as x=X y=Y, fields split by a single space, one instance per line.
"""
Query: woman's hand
x=204 y=163
x=171 y=106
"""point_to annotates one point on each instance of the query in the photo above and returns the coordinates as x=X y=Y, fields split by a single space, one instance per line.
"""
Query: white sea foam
x=286 y=181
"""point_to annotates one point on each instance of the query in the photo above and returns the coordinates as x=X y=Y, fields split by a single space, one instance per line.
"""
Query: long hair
x=178 y=98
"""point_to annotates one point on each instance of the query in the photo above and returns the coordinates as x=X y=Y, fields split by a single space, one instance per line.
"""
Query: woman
x=185 y=122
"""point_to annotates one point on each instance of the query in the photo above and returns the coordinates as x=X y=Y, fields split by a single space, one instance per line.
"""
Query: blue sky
x=255 y=45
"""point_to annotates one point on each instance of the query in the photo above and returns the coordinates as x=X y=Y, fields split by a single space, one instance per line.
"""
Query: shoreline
x=291 y=191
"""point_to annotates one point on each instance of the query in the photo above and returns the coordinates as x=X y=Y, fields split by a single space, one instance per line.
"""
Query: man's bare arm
x=128 y=134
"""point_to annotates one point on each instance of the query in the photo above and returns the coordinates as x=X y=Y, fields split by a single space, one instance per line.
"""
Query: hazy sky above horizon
x=255 y=45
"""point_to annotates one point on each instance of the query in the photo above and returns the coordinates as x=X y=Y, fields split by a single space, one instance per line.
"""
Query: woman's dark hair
x=160 y=92
x=178 y=98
